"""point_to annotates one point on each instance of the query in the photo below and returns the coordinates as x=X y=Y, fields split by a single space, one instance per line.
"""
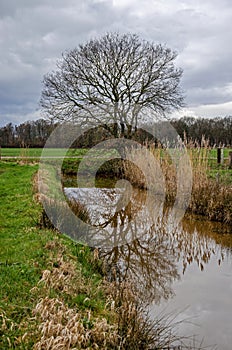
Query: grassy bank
x=53 y=293
x=43 y=275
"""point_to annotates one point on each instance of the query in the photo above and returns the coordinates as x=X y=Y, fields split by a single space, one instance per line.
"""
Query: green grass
x=76 y=153
x=23 y=257
x=213 y=152
x=36 y=152
x=19 y=152
x=74 y=157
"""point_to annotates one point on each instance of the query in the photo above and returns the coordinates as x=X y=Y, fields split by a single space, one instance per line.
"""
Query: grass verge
x=41 y=270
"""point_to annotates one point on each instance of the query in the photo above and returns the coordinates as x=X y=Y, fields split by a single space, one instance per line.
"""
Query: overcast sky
x=33 y=35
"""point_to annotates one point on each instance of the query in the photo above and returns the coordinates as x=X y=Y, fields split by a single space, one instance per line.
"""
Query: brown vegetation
x=209 y=197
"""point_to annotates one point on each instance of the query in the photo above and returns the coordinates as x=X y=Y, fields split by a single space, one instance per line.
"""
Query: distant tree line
x=218 y=131
x=28 y=134
x=34 y=134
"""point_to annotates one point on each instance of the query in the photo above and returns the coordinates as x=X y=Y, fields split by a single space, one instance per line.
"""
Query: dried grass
x=65 y=328
x=60 y=278
x=62 y=327
x=124 y=326
x=5 y=322
x=209 y=197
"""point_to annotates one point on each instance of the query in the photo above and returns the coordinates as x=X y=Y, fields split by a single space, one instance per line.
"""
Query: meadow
x=36 y=152
x=79 y=152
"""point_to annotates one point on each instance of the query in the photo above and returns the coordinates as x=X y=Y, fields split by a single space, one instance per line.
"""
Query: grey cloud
x=33 y=34
x=10 y=7
x=34 y=38
x=208 y=96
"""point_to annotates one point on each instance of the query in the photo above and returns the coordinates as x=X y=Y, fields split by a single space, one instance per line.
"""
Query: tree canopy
x=113 y=80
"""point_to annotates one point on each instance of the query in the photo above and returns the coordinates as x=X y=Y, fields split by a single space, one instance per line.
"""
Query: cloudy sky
x=34 y=33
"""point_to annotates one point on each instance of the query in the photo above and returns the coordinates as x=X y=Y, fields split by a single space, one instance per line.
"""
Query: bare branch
x=111 y=80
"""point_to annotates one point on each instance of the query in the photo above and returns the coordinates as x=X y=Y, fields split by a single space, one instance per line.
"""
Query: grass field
x=36 y=152
x=73 y=157
x=26 y=250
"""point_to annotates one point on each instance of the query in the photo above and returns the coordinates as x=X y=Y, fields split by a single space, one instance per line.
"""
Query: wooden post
x=0 y=152
x=230 y=160
x=219 y=155
x=222 y=156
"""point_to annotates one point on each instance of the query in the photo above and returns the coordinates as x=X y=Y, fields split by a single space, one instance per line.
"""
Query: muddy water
x=182 y=268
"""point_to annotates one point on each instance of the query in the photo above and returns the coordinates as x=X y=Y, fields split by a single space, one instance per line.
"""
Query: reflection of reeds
x=54 y=212
x=79 y=210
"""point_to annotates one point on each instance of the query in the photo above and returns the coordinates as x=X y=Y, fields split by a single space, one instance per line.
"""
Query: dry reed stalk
x=61 y=327
x=65 y=328
x=209 y=198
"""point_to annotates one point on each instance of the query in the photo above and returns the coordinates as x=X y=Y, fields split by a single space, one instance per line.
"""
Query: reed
x=210 y=196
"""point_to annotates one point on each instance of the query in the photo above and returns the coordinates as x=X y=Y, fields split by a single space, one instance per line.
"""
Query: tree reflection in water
x=138 y=243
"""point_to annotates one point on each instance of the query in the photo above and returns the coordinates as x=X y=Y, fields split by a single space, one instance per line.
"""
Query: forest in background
x=34 y=134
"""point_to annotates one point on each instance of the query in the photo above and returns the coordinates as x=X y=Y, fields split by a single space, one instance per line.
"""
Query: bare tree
x=113 y=80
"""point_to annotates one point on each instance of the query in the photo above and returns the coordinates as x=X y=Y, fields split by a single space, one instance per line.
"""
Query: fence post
x=219 y=155
x=0 y=152
x=222 y=155
x=230 y=160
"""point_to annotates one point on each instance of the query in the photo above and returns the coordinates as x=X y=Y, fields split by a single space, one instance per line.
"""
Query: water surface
x=183 y=268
